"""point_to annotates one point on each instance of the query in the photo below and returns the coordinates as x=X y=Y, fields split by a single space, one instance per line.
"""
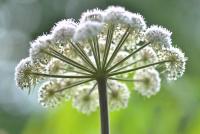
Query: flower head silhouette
x=89 y=61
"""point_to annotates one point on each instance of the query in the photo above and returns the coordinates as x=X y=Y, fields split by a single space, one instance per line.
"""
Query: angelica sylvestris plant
x=91 y=61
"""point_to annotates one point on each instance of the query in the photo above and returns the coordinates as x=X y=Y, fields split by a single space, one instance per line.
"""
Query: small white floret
x=63 y=30
x=158 y=36
x=87 y=30
x=136 y=22
x=47 y=95
x=147 y=82
x=118 y=95
x=23 y=76
x=175 y=68
x=86 y=101
x=146 y=56
x=55 y=66
x=115 y=15
x=92 y=15
x=38 y=46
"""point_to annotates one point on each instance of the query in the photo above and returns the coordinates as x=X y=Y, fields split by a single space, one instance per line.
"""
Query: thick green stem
x=104 y=114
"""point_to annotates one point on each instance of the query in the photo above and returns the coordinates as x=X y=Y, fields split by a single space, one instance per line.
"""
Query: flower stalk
x=103 y=104
x=138 y=68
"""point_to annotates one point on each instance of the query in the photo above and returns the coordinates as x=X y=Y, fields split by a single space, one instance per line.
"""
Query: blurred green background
x=175 y=110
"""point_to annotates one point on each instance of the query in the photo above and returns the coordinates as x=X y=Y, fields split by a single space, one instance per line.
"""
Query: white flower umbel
x=92 y=15
x=118 y=95
x=147 y=82
x=64 y=30
x=158 y=36
x=47 y=96
x=23 y=76
x=138 y=27
x=65 y=83
x=119 y=17
x=87 y=30
x=88 y=61
x=175 y=68
x=115 y=15
x=136 y=22
x=56 y=66
x=86 y=101
x=38 y=47
x=146 y=56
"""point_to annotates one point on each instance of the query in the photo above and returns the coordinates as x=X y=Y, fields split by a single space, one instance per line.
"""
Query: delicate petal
x=147 y=82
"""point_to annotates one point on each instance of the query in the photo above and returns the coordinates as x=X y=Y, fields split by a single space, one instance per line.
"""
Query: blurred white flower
x=147 y=82
x=86 y=101
x=118 y=95
x=47 y=96
x=146 y=56
x=175 y=68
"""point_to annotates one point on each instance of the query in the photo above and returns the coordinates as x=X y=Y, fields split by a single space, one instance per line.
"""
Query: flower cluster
x=112 y=44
